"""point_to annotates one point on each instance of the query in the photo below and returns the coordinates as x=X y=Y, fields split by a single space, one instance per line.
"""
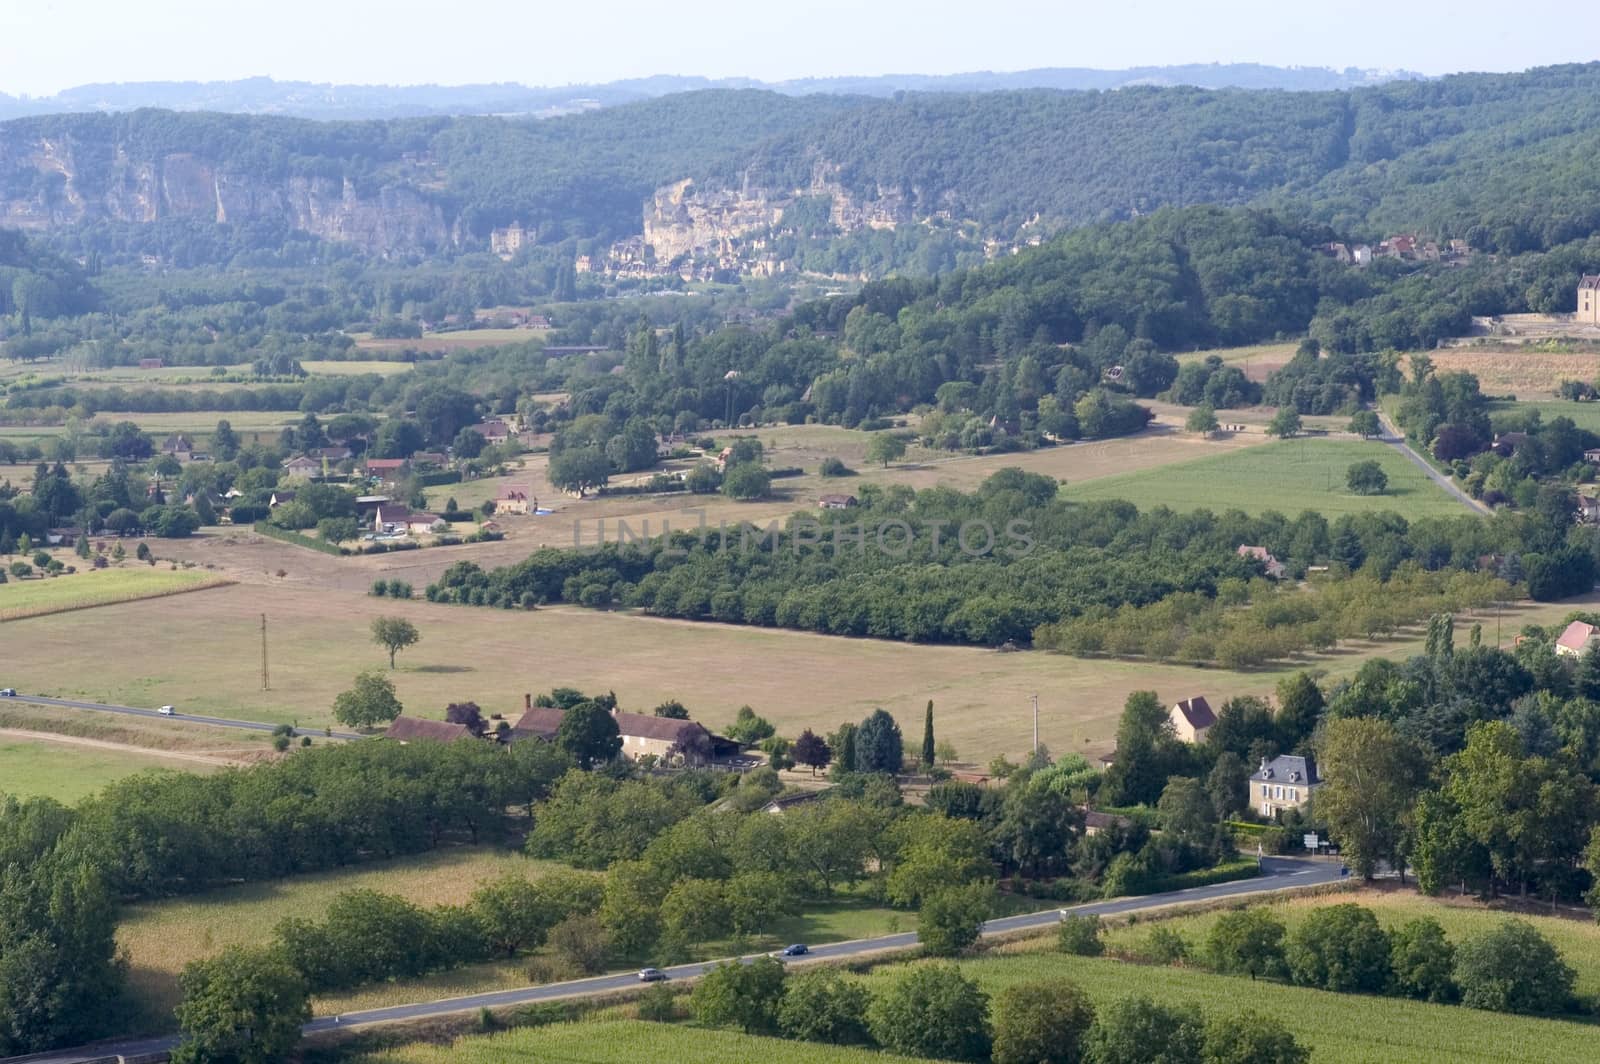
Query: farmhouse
x=436 y=459
x=1274 y=568
x=332 y=454
x=1191 y=718
x=1285 y=782
x=1592 y=456
x=1588 y=300
x=1588 y=509
x=281 y=498
x=389 y=469
x=512 y=501
x=302 y=468
x=1577 y=639
x=151 y=363
x=1094 y=822
x=180 y=447
x=409 y=729
x=667 y=738
x=492 y=431
x=836 y=502
x=390 y=518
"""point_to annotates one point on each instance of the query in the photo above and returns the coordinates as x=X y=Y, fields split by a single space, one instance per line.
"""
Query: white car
x=166 y=711
x=8 y=692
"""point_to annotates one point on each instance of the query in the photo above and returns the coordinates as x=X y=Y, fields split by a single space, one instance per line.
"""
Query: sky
x=49 y=45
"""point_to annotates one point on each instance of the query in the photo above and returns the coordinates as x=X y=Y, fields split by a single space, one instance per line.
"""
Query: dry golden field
x=1529 y=375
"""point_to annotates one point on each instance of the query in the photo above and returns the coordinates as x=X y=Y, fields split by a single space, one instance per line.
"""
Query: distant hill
x=304 y=99
x=925 y=179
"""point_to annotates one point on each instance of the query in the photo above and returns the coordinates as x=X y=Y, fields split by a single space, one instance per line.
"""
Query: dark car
x=651 y=975
x=799 y=949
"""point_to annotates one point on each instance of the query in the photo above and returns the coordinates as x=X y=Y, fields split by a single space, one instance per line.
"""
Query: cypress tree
x=927 y=737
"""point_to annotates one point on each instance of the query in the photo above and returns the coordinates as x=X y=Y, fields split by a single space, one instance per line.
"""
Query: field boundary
x=25 y=612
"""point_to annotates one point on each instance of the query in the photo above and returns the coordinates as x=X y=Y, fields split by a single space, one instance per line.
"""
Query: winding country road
x=1395 y=438
x=1278 y=873
x=186 y=718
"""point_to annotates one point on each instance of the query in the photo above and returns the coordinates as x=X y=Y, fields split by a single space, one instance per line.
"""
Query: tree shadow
x=443 y=668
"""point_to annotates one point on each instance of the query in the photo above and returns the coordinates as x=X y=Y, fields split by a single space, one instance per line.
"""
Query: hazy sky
x=48 y=45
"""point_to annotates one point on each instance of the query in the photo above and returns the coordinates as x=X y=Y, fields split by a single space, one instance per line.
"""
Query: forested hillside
x=1500 y=160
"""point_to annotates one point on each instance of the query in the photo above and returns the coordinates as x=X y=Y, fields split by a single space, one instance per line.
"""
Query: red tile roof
x=407 y=729
x=1576 y=637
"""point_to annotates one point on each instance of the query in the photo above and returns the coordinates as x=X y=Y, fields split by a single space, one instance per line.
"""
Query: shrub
x=1422 y=959
x=1080 y=935
x=659 y=1004
x=950 y=920
x=1340 y=948
x=824 y=1006
x=932 y=1011
x=834 y=467
x=1251 y=1038
x=1136 y=1030
x=1045 y=1022
x=740 y=995
x=1513 y=968
x=1163 y=945
x=1246 y=941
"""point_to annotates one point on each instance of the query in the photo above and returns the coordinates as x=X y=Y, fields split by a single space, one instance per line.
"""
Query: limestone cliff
x=53 y=182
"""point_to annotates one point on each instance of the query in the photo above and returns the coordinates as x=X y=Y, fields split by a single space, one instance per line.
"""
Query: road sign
x=1310 y=840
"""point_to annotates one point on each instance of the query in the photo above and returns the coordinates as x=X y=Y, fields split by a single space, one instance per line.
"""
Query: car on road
x=799 y=949
x=8 y=692
x=651 y=975
x=167 y=711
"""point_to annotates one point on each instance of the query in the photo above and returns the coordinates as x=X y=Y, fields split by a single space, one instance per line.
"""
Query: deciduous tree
x=394 y=634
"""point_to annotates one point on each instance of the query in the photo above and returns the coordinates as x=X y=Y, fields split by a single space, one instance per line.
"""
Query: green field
x=1578 y=940
x=67 y=772
x=1287 y=476
x=626 y=1042
x=387 y=367
x=1584 y=415
x=97 y=587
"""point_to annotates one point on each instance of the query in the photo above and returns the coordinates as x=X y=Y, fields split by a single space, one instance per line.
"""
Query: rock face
x=48 y=183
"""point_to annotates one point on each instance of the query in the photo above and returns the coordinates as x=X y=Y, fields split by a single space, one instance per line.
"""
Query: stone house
x=1285 y=782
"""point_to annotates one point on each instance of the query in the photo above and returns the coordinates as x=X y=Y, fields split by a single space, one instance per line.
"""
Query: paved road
x=188 y=718
x=1279 y=873
x=1395 y=438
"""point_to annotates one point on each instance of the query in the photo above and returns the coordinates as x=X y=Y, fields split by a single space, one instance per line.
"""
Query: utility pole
x=266 y=684
x=1035 y=700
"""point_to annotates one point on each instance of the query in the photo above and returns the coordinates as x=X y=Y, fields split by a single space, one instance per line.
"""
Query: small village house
x=1588 y=312
x=1592 y=456
x=1588 y=509
x=1576 y=639
x=836 y=502
x=281 y=497
x=493 y=432
x=513 y=501
x=1192 y=718
x=387 y=469
x=406 y=729
x=178 y=446
x=1274 y=568
x=151 y=363
x=394 y=519
x=1285 y=782
x=302 y=468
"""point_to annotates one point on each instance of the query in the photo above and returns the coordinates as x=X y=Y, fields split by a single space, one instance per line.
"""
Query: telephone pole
x=1035 y=700
x=266 y=684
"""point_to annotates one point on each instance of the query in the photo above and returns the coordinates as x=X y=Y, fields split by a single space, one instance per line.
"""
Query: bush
x=932 y=1011
x=1080 y=935
x=1163 y=945
x=1340 y=948
x=1513 y=968
x=1042 y=1023
x=826 y=1007
x=659 y=1004
x=1136 y=1030
x=834 y=467
x=745 y=996
x=1251 y=1038
x=950 y=920
x=1246 y=941
x=1422 y=960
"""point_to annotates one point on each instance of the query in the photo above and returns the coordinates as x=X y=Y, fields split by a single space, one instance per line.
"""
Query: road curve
x=187 y=718
x=1278 y=873
x=1395 y=438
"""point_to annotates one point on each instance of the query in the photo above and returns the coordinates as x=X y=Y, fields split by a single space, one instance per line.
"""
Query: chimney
x=527 y=702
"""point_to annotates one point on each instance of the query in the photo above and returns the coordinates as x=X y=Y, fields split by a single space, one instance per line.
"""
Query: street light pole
x=1035 y=700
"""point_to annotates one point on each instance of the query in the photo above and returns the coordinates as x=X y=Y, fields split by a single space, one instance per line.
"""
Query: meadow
x=67 y=771
x=451 y=341
x=204 y=652
x=625 y=1042
x=1288 y=476
x=97 y=587
x=1525 y=372
x=1583 y=415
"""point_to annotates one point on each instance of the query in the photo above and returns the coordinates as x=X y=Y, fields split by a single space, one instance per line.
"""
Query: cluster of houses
x=1408 y=247
x=668 y=740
